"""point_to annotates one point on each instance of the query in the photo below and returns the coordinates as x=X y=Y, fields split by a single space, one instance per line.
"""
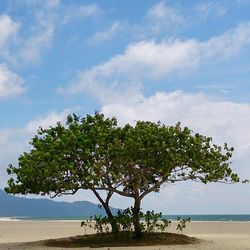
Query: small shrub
x=125 y=219
x=164 y=225
x=98 y=223
x=152 y=220
x=182 y=224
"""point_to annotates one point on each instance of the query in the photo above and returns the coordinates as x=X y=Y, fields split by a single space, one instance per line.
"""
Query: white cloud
x=162 y=17
x=8 y=35
x=82 y=11
x=10 y=83
x=4 y=136
x=47 y=120
x=210 y=9
x=20 y=43
x=53 y=3
x=243 y=1
x=41 y=31
x=39 y=40
x=223 y=119
x=140 y=60
x=219 y=88
x=46 y=3
x=153 y=61
x=103 y=36
x=8 y=29
x=37 y=35
x=161 y=20
x=230 y=43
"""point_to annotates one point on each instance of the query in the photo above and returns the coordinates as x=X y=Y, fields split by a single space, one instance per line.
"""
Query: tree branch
x=154 y=188
x=63 y=193
x=112 y=190
x=99 y=197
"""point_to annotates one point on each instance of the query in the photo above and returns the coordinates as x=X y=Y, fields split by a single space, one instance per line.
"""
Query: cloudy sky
x=186 y=61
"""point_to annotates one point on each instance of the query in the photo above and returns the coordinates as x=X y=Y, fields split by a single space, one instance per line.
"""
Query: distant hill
x=11 y=206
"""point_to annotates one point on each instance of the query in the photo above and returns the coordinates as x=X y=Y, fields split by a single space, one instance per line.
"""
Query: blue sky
x=171 y=61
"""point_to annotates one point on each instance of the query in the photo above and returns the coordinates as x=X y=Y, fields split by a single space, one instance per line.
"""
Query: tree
x=94 y=153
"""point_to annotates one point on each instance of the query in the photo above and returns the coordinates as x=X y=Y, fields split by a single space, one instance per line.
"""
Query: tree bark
x=136 y=216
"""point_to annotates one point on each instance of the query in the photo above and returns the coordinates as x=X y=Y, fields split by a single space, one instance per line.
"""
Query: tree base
x=122 y=239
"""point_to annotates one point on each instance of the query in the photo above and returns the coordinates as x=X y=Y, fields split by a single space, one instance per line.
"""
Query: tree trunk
x=114 y=225
x=136 y=217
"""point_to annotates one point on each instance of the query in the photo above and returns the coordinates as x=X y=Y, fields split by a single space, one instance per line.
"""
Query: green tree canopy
x=94 y=153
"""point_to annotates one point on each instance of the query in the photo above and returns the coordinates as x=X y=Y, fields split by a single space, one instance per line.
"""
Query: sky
x=165 y=61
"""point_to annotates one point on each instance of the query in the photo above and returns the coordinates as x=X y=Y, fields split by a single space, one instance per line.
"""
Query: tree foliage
x=94 y=153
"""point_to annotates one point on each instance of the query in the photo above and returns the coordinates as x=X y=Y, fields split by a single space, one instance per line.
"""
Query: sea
x=193 y=217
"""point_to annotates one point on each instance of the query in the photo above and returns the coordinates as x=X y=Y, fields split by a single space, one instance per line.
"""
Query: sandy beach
x=213 y=235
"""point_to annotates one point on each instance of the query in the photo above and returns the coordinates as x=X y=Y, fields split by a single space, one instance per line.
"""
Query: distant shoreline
x=194 y=217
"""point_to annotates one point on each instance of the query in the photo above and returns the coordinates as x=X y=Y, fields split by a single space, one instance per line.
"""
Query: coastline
x=213 y=235
x=172 y=217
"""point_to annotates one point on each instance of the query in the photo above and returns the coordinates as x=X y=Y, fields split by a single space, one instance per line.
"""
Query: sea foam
x=8 y=219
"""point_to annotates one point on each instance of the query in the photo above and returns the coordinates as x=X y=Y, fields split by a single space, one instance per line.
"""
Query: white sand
x=214 y=235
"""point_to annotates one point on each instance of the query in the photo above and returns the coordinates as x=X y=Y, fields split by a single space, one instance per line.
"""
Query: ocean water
x=194 y=217
x=211 y=217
